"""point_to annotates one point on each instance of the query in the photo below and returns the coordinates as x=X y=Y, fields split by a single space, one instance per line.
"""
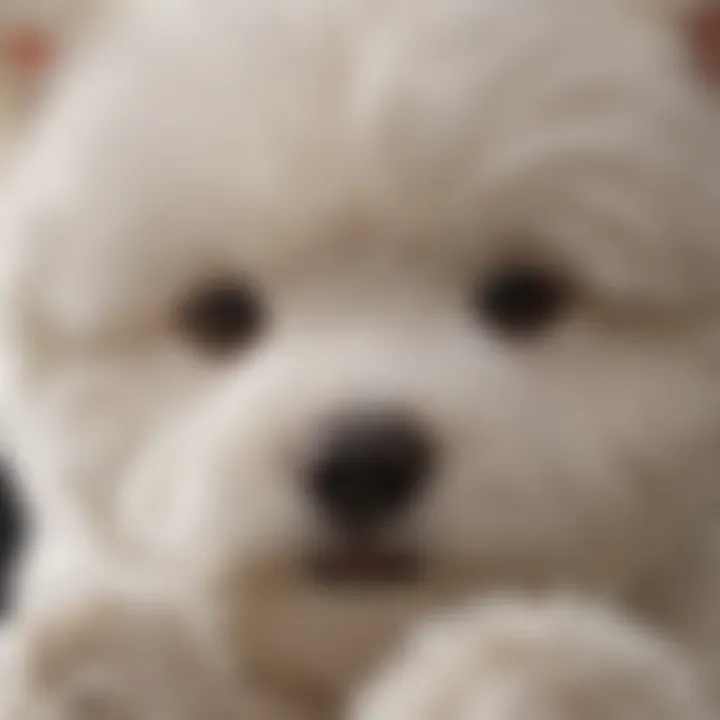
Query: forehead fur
x=264 y=135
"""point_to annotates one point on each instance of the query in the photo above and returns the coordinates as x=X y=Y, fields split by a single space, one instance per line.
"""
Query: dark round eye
x=522 y=300
x=222 y=317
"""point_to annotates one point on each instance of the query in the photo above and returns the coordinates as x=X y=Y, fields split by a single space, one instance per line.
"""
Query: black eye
x=522 y=300
x=222 y=317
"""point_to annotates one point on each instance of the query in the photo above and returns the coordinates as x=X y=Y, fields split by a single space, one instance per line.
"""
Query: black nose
x=367 y=469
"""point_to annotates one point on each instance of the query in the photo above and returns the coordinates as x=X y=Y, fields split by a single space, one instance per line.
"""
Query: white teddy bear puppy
x=331 y=319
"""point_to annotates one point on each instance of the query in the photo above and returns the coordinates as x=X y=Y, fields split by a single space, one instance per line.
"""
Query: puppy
x=326 y=321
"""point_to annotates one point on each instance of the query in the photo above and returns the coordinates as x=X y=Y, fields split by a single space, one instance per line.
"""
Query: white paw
x=555 y=660
x=107 y=660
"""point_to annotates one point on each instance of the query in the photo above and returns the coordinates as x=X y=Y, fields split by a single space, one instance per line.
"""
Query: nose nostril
x=369 y=468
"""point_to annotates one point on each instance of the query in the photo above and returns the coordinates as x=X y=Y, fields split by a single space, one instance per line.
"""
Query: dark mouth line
x=365 y=566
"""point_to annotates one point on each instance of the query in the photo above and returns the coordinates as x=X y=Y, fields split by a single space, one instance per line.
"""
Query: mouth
x=365 y=565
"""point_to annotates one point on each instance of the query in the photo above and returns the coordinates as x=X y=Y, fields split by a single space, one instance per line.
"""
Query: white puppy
x=331 y=316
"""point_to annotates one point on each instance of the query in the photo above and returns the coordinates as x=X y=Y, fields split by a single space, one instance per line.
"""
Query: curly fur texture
x=363 y=165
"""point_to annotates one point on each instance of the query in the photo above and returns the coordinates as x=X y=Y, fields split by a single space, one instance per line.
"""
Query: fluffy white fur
x=363 y=164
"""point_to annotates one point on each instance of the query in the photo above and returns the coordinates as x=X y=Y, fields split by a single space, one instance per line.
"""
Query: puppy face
x=315 y=295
